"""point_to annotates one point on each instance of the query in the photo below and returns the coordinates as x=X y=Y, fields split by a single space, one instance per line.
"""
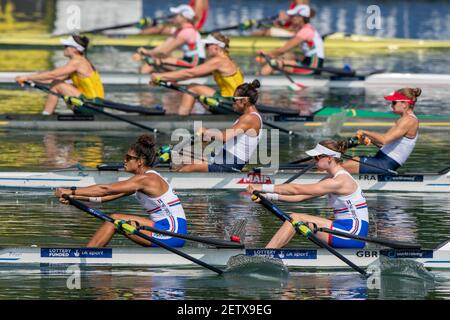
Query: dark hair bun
x=417 y=92
x=82 y=40
x=146 y=141
x=255 y=84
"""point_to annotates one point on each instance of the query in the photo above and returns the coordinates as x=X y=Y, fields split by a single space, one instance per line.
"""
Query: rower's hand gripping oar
x=213 y=102
x=88 y=105
x=301 y=228
x=154 y=62
x=132 y=230
x=274 y=64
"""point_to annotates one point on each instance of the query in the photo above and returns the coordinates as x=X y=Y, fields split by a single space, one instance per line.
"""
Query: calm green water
x=37 y=218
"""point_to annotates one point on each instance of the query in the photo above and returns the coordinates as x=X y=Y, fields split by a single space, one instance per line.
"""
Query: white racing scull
x=309 y=258
x=414 y=182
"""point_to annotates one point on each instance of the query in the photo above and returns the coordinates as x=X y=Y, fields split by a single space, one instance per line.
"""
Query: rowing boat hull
x=380 y=80
x=172 y=122
x=338 y=41
x=308 y=258
x=435 y=183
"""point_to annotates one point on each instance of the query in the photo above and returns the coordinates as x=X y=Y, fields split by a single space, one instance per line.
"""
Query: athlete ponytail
x=144 y=148
x=340 y=146
x=411 y=93
x=248 y=90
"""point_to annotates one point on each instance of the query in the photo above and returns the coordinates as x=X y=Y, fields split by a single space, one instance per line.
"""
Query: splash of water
x=263 y=268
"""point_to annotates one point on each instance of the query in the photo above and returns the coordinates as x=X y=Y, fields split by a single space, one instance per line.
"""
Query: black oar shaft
x=337 y=71
x=134 y=123
x=286 y=74
x=211 y=241
x=388 y=243
x=242 y=24
x=92 y=107
x=98 y=214
x=300 y=173
x=285 y=217
x=172 y=86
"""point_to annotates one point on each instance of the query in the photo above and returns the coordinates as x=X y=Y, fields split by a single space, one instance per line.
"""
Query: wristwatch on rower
x=73 y=190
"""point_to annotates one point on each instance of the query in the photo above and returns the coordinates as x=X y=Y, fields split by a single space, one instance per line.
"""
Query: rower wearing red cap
x=397 y=143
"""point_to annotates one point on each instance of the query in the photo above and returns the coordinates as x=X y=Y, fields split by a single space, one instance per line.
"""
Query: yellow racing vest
x=91 y=87
x=228 y=84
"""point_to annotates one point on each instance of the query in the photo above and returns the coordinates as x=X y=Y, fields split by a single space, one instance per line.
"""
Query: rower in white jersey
x=156 y=196
x=307 y=38
x=185 y=37
x=344 y=196
x=397 y=144
x=240 y=141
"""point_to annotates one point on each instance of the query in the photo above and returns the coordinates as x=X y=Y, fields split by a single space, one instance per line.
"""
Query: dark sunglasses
x=129 y=157
x=317 y=158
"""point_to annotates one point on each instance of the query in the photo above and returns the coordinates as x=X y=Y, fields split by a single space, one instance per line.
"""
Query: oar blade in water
x=403 y=268
x=261 y=267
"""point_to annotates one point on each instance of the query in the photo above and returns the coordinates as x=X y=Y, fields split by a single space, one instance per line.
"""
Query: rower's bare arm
x=125 y=187
x=59 y=73
x=292 y=43
x=199 y=71
x=100 y=199
x=199 y=6
x=399 y=130
x=246 y=124
x=296 y=198
x=318 y=189
x=168 y=46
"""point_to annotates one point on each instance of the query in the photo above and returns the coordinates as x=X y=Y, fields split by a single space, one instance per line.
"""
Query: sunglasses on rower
x=129 y=157
x=317 y=158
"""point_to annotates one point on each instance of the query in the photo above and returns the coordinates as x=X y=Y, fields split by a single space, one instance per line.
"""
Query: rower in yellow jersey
x=86 y=81
x=227 y=75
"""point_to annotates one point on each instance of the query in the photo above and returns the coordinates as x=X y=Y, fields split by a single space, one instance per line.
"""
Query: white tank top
x=243 y=146
x=313 y=45
x=400 y=149
x=193 y=45
x=352 y=206
x=167 y=206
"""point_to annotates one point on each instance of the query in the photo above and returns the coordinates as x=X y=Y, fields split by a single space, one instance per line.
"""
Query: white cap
x=70 y=41
x=211 y=40
x=321 y=150
x=185 y=10
x=300 y=10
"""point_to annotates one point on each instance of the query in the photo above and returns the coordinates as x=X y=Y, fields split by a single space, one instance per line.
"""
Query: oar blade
x=296 y=87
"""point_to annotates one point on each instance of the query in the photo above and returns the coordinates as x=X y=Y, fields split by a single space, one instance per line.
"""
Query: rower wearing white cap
x=397 y=144
x=344 y=196
x=186 y=38
x=309 y=41
x=86 y=82
x=282 y=27
x=227 y=75
x=200 y=8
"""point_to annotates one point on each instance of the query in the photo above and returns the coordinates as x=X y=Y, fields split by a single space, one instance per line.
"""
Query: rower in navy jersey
x=153 y=192
x=240 y=141
x=344 y=196
x=397 y=144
